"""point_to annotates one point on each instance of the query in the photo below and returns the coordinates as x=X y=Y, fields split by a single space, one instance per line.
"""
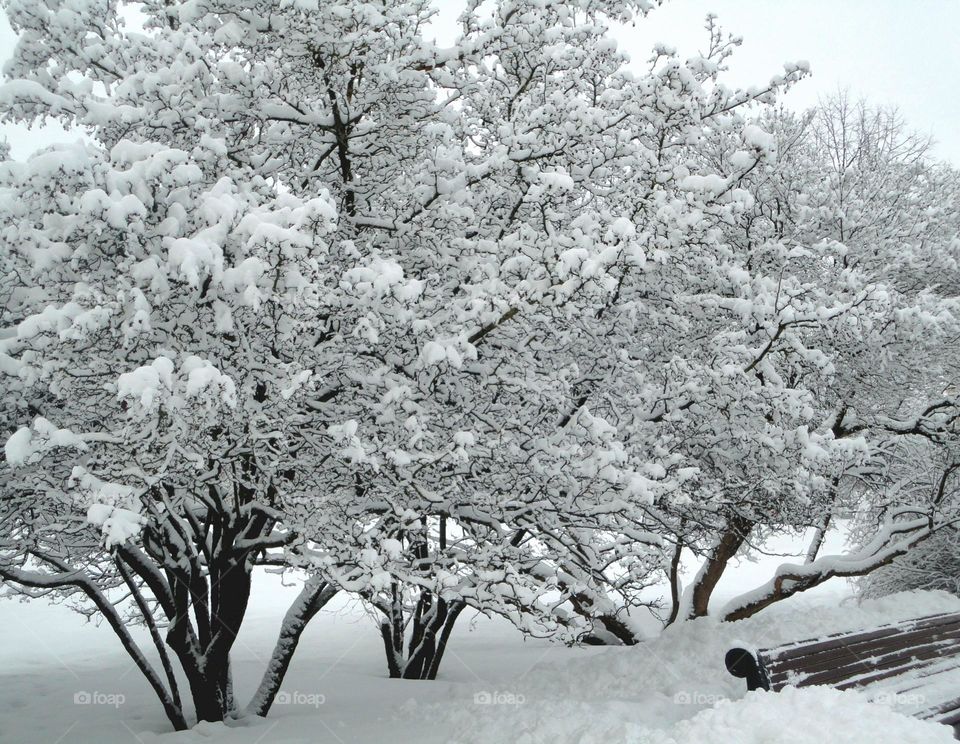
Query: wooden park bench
x=914 y=666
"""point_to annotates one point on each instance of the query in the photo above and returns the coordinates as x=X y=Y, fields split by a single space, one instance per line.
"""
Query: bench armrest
x=742 y=663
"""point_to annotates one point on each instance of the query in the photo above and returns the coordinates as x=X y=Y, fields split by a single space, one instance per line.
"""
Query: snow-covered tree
x=502 y=326
x=875 y=375
x=246 y=307
x=138 y=270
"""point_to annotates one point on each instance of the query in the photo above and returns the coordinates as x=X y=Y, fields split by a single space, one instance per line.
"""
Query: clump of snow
x=98 y=491
x=755 y=137
x=203 y=377
x=571 y=261
x=298 y=381
x=464 y=439
x=49 y=320
x=391 y=548
x=742 y=160
x=556 y=181
x=446 y=351
x=117 y=524
x=27 y=443
x=243 y=279
x=378 y=278
x=345 y=431
x=708 y=184
x=622 y=228
x=155 y=383
x=18 y=448
x=147 y=383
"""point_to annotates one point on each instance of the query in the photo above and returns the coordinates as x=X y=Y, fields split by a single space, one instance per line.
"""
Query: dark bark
x=584 y=605
x=431 y=627
x=788 y=583
x=81 y=582
x=819 y=535
x=151 y=623
x=735 y=533
x=607 y=621
x=314 y=595
x=393 y=662
x=675 y=588
x=453 y=613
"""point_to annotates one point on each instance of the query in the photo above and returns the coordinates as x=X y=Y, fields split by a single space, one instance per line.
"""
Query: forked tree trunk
x=734 y=534
x=432 y=624
x=219 y=604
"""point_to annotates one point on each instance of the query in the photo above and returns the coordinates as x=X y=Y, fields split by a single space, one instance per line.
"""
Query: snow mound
x=687 y=658
x=679 y=679
x=811 y=715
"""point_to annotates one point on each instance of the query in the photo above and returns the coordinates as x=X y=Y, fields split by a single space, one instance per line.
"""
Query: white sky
x=890 y=51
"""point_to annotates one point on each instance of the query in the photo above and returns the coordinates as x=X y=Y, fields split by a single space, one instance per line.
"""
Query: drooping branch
x=82 y=582
x=147 y=614
x=894 y=540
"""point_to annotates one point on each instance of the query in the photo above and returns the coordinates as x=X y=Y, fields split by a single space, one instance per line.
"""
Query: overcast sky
x=905 y=54
x=889 y=51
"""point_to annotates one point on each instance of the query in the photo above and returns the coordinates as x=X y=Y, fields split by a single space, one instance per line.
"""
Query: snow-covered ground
x=65 y=681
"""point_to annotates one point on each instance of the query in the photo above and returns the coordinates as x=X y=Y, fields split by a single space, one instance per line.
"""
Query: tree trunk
x=734 y=534
x=819 y=535
x=314 y=595
x=206 y=661
x=393 y=656
x=675 y=588
x=432 y=624
x=424 y=659
x=453 y=613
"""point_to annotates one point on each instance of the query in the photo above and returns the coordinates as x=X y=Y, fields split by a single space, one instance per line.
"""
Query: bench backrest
x=859 y=659
x=913 y=657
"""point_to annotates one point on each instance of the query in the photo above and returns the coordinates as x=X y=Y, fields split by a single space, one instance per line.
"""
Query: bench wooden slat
x=845 y=640
x=895 y=666
x=894 y=626
x=952 y=718
x=901 y=659
x=920 y=657
x=929 y=682
x=949 y=710
x=857 y=650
